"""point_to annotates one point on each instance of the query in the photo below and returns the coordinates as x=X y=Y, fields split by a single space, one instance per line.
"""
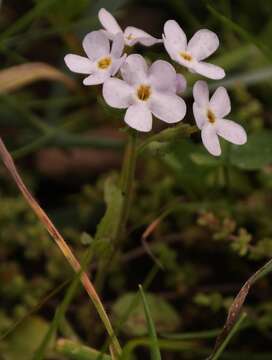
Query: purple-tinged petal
x=201 y=93
x=134 y=69
x=231 y=131
x=96 y=45
x=139 y=117
x=108 y=21
x=162 y=76
x=220 y=102
x=175 y=36
x=199 y=115
x=97 y=78
x=209 y=70
x=181 y=84
x=167 y=107
x=210 y=139
x=117 y=63
x=79 y=64
x=118 y=45
x=203 y=44
x=134 y=35
x=117 y=93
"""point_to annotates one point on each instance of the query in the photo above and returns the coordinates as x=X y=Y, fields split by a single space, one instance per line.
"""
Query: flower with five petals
x=202 y=45
x=145 y=91
x=209 y=115
x=102 y=61
x=132 y=35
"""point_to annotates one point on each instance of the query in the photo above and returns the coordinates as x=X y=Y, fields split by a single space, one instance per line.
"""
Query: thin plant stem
x=127 y=180
x=65 y=249
x=234 y=330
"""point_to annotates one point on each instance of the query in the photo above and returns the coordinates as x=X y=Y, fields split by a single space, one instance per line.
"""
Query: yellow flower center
x=211 y=117
x=130 y=37
x=144 y=92
x=186 y=56
x=104 y=63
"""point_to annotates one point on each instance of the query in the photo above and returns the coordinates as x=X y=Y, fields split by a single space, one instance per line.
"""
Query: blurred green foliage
x=215 y=227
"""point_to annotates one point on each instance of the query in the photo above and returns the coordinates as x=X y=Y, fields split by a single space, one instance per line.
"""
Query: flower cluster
x=155 y=90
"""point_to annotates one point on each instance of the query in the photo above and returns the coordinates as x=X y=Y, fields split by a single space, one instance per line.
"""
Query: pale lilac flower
x=181 y=84
x=145 y=91
x=209 y=115
x=132 y=35
x=102 y=61
x=202 y=45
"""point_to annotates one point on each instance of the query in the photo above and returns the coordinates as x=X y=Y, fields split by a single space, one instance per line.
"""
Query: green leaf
x=108 y=226
x=74 y=351
x=24 y=341
x=205 y=159
x=181 y=158
x=155 y=350
x=165 y=317
x=255 y=154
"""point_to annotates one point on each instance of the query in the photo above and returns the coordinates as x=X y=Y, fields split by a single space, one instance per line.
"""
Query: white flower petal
x=96 y=45
x=209 y=70
x=162 y=76
x=201 y=93
x=167 y=107
x=117 y=93
x=170 y=49
x=134 y=35
x=79 y=64
x=99 y=77
x=118 y=45
x=220 y=102
x=175 y=36
x=231 y=131
x=181 y=84
x=109 y=35
x=109 y=22
x=117 y=63
x=203 y=44
x=134 y=69
x=139 y=117
x=210 y=139
x=199 y=115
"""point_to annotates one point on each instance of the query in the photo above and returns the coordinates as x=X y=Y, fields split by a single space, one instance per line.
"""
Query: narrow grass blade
x=155 y=350
x=241 y=31
x=25 y=20
x=231 y=334
x=18 y=76
x=236 y=307
x=62 y=309
x=61 y=243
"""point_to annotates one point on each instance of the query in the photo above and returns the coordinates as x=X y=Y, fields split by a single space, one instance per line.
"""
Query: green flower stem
x=170 y=134
x=127 y=179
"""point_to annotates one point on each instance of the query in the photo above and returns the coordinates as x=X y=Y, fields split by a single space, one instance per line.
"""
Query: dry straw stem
x=87 y=284
x=237 y=305
x=20 y=75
